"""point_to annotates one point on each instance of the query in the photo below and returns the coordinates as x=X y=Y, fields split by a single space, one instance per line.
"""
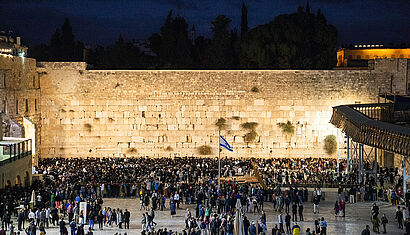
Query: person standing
x=317 y=226
x=323 y=226
x=300 y=211
x=287 y=221
x=366 y=231
x=42 y=229
x=316 y=201
x=399 y=217
x=73 y=227
x=294 y=212
x=127 y=216
x=20 y=218
x=376 y=223
x=62 y=226
x=296 y=229
x=280 y=220
x=143 y=222
x=384 y=221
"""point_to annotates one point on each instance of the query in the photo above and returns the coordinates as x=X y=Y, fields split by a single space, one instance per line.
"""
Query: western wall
x=114 y=113
x=72 y=111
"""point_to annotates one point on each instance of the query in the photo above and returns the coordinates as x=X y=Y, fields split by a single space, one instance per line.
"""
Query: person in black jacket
x=399 y=217
x=127 y=216
x=294 y=212
x=287 y=221
x=366 y=231
x=300 y=211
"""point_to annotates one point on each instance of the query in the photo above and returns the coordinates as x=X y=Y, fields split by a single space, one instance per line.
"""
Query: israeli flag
x=223 y=143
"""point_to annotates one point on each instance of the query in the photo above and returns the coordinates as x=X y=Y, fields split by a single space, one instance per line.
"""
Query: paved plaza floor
x=357 y=217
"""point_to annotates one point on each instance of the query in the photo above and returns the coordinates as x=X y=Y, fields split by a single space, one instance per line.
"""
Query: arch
x=27 y=179
x=18 y=180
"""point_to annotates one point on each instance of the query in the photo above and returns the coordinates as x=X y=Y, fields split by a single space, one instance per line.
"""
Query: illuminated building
x=11 y=46
x=358 y=55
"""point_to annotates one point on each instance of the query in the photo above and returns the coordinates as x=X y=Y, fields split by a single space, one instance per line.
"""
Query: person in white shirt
x=176 y=198
x=31 y=216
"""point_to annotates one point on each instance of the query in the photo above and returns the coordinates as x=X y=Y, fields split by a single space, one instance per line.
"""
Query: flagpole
x=219 y=159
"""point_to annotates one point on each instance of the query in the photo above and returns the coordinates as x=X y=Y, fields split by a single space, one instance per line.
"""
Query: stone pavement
x=357 y=216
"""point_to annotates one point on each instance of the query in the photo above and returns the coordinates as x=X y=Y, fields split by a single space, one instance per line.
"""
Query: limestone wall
x=170 y=113
x=20 y=92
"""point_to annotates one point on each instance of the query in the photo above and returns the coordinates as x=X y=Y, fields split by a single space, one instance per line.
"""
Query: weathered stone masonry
x=171 y=113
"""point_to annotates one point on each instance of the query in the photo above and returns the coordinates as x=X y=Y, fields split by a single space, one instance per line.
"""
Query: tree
x=172 y=45
x=222 y=46
x=67 y=42
x=244 y=21
x=301 y=40
x=62 y=46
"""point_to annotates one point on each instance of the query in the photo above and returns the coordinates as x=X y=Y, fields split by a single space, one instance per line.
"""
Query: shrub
x=205 y=150
x=287 y=128
x=330 y=144
x=235 y=117
x=132 y=150
x=88 y=127
x=220 y=123
x=250 y=136
x=169 y=148
x=249 y=125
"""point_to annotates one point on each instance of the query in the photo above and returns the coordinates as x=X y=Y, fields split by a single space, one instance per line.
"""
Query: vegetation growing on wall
x=221 y=123
x=255 y=89
x=132 y=150
x=251 y=128
x=88 y=127
x=169 y=148
x=249 y=125
x=205 y=150
x=330 y=144
x=287 y=128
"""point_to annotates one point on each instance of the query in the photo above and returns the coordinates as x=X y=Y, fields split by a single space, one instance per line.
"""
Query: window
x=393 y=56
x=3 y=78
x=35 y=104
x=401 y=56
x=34 y=81
x=359 y=57
x=349 y=57
x=143 y=114
x=17 y=107
x=4 y=105
x=26 y=105
x=367 y=57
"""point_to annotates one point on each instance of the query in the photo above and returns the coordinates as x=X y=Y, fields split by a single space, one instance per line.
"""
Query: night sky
x=101 y=21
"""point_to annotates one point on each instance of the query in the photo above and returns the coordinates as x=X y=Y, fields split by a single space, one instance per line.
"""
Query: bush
x=205 y=150
x=88 y=127
x=250 y=136
x=132 y=150
x=220 y=123
x=249 y=125
x=287 y=128
x=169 y=148
x=330 y=144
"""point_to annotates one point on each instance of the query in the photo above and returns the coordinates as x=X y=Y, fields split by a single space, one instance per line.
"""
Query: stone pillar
x=1 y=127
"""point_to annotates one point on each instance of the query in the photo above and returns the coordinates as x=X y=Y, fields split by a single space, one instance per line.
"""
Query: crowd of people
x=166 y=183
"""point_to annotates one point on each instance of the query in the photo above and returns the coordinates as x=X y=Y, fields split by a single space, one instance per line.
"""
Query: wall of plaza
x=156 y=113
x=20 y=97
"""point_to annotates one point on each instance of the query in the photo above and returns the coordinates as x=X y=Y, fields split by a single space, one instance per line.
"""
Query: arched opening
x=8 y=184
x=27 y=179
x=18 y=180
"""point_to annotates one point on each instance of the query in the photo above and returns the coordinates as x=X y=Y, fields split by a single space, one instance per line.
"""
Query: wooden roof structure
x=370 y=124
